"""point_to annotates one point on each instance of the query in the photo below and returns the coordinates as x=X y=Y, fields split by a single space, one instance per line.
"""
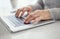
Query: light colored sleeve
x=55 y=13
x=38 y=6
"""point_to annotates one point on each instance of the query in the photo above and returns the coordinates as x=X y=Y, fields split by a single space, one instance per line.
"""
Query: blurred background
x=7 y=5
x=15 y=3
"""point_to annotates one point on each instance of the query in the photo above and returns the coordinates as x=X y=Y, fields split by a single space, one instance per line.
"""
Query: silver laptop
x=14 y=24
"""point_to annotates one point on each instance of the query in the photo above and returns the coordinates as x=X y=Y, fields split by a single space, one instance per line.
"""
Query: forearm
x=55 y=13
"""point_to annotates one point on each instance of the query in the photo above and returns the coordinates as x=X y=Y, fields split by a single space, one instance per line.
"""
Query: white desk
x=51 y=31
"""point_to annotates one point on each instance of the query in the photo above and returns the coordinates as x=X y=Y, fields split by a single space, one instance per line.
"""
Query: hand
x=21 y=11
x=37 y=16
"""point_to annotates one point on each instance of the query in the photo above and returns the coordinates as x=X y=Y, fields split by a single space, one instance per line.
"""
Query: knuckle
x=17 y=11
x=32 y=16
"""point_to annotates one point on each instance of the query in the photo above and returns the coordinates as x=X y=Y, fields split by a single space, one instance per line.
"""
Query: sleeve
x=55 y=13
x=38 y=6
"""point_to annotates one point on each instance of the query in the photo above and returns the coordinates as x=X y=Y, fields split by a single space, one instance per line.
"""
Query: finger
x=38 y=19
x=18 y=12
x=29 y=18
x=23 y=11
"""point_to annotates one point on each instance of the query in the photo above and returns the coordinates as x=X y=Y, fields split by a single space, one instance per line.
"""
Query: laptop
x=14 y=24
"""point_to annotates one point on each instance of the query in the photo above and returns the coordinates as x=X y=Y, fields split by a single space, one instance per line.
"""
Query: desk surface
x=50 y=31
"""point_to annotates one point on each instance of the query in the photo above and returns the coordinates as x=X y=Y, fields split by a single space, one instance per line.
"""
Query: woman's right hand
x=20 y=12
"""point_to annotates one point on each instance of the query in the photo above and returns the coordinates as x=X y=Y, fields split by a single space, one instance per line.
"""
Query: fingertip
x=26 y=23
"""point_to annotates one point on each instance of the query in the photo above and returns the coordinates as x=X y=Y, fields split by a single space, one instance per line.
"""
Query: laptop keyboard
x=14 y=21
